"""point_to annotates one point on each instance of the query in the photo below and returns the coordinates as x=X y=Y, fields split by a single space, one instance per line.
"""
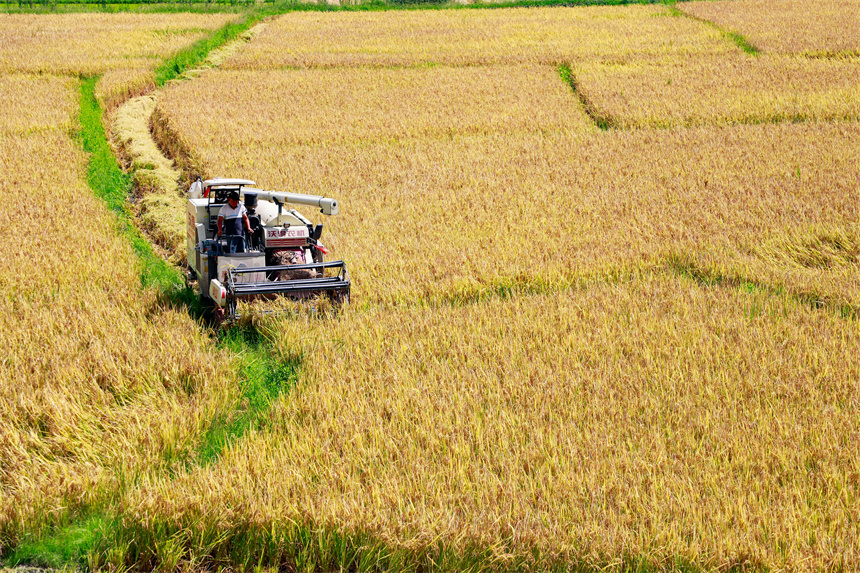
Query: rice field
x=89 y=43
x=459 y=215
x=824 y=28
x=655 y=420
x=101 y=385
x=475 y=37
x=94 y=382
x=721 y=90
x=353 y=105
x=37 y=103
x=603 y=311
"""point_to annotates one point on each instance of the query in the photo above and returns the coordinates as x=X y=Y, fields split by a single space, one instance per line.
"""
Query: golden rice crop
x=347 y=105
x=35 y=103
x=120 y=85
x=98 y=384
x=457 y=215
x=92 y=43
x=824 y=27
x=464 y=37
x=656 y=419
x=720 y=90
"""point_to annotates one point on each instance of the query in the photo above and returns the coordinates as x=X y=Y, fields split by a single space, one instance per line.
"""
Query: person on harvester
x=231 y=218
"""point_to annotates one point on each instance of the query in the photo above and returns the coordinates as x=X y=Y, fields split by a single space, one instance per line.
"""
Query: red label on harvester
x=286 y=237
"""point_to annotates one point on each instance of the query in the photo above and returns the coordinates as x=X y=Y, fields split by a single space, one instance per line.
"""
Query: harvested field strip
x=191 y=56
x=821 y=28
x=654 y=418
x=720 y=90
x=159 y=208
x=551 y=35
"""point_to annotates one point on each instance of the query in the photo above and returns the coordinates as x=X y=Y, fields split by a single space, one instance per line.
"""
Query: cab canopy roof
x=221 y=182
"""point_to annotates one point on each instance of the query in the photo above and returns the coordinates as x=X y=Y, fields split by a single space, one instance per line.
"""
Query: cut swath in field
x=655 y=418
x=536 y=207
x=720 y=90
x=160 y=202
x=470 y=37
x=821 y=28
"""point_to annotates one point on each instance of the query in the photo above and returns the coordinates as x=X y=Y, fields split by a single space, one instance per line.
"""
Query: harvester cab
x=282 y=255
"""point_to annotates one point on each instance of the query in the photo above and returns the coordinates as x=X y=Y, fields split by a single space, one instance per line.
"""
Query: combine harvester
x=280 y=256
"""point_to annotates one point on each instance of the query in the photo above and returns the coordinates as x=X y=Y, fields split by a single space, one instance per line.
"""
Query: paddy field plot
x=720 y=90
x=568 y=346
x=449 y=205
x=89 y=44
x=94 y=386
x=37 y=103
x=656 y=418
x=825 y=28
x=99 y=384
x=473 y=37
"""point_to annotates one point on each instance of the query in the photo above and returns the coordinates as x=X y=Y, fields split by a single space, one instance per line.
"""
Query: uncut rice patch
x=91 y=43
x=117 y=86
x=655 y=419
x=469 y=37
x=99 y=386
x=460 y=215
x=37 y=103
x=273 y=109
x=823 y=27
x=720 y=90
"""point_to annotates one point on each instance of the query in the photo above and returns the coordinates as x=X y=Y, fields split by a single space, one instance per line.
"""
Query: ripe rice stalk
x=36 y=103
x=91 y=43
x=120 y=85
x=821 y=28
x=459 y=216
x=99 y=386
x=475 y=37
x=720 y=90
x=356 y=104
x=655 y=418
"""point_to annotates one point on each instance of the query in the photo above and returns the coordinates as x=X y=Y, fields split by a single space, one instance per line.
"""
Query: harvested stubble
x=90 y=43
x=160 y=205
x=656 y=420
x=36 y=103
x=455 y=216
x=98 y=385
x=469 y=37
x=823 y=27
x=718 y=90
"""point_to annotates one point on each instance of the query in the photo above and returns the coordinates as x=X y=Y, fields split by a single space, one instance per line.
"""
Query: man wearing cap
x=231 y=218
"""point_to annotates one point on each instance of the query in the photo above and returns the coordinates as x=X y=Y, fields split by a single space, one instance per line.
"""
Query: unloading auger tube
x=281 y=256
